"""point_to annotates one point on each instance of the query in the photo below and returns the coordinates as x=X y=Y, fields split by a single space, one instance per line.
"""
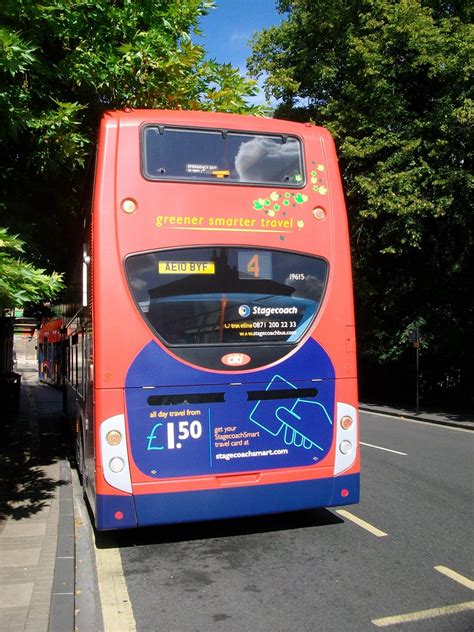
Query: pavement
x=455 y=420
x=37 y=557
x=37 y=541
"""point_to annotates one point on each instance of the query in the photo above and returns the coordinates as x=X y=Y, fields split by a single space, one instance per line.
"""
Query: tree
x=62 y=63
x=391 y=80
x=20 y=281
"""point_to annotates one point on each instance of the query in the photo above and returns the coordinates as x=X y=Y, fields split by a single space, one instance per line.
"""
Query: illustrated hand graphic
x=289 y=418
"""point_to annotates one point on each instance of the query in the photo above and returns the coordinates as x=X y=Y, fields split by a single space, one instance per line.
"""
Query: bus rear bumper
x=123 y=512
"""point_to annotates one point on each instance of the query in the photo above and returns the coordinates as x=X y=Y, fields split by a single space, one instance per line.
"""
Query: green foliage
x=62 y=63
x=392 y=80
x=20 y=281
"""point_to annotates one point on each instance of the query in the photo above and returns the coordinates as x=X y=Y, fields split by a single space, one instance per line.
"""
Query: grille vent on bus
x=282 y=393
x=186 y=398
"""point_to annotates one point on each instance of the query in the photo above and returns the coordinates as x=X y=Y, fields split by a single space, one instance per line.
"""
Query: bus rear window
x=225 y=296
x=221 y=156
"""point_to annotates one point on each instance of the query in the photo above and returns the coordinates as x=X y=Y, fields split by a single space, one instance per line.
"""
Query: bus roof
x=212 y=120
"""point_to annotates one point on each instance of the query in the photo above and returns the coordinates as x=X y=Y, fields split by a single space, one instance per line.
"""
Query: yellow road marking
x=117 y=610
x=424 y=614
x=465 y=581
x=361 y=523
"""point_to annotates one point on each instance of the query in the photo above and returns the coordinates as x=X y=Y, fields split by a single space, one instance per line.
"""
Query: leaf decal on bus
x=259 y=204
x=300 y=198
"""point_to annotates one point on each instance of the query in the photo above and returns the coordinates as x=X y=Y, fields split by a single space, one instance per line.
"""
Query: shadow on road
x=216 y=529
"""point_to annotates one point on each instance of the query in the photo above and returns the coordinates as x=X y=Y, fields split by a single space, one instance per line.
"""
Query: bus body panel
x=139 y=379
x=119 y=233
x=149 y=509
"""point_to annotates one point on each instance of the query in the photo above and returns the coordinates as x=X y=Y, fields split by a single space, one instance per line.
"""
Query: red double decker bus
x=50 y=351
x=214 y=359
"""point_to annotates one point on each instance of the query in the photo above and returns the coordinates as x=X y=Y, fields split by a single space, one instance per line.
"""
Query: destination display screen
x=227 y=296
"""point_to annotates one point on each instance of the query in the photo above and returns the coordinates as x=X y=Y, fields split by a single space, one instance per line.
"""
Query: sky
x=228 y=28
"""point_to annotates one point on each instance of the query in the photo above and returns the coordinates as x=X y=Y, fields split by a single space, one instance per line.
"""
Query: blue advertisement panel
x=262 y=420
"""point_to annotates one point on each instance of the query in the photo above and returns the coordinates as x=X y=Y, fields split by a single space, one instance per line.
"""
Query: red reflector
x=345 y=493
x=118 y=515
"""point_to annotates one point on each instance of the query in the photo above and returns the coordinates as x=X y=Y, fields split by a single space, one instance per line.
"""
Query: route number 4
x=253 y=266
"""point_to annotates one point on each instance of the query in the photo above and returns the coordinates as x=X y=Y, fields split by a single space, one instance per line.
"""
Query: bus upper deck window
x=170 y=153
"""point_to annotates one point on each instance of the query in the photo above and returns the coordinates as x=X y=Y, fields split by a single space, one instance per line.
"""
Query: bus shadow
x=169 y=534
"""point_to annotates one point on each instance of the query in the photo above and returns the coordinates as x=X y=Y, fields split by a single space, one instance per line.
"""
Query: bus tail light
x=346 y=437
x=345 y=447
x=116 y=464
x=346 y=422
x=113 y=437
x=113 y=444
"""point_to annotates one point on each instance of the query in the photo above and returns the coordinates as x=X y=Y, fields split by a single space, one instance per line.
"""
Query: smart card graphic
x=295 y=423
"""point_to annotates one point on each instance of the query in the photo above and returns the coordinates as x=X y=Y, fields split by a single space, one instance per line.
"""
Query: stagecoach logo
x=235 y=359
x=244 y=311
